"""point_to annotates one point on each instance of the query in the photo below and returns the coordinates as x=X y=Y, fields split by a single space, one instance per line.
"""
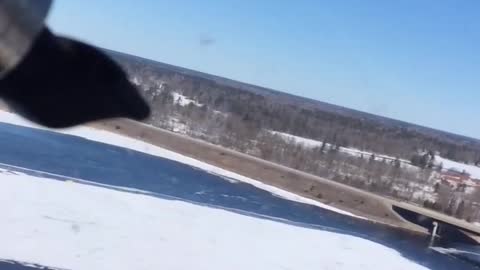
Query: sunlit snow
x=75 y=226
x=183 y=100
x=473 y=170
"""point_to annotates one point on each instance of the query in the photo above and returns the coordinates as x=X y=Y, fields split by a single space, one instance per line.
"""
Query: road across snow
x=123 y=141
x=75 y=226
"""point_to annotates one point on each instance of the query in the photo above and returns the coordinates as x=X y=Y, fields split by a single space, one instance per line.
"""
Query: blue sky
x=417 y=61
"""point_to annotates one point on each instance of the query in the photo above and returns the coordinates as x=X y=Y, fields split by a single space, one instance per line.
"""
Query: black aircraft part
x=62 y=83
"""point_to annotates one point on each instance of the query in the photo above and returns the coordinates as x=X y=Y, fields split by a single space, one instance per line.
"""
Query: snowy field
x=309 y=143
x=75 y=226
x=123 y=141
x=473 y=170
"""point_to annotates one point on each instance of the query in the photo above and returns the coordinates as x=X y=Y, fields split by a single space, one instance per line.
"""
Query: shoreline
x=333 y=196
x=374 y=208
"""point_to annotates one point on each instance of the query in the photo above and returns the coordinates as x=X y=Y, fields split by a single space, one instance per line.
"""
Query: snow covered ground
x=183 y=100
x=75 y=226
x=159 y=87
x=305 y=142
x=309 y=143
x=177 y=126
x=116 y=139
x=473 y=170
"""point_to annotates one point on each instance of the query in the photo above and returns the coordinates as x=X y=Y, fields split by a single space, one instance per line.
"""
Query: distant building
x=460 y=180
x=454 y=176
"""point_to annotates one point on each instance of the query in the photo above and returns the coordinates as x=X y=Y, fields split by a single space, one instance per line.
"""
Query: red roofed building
x=454 y=176
x=458 y=179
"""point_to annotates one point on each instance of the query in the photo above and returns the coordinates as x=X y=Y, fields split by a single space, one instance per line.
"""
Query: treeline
x=257 y=112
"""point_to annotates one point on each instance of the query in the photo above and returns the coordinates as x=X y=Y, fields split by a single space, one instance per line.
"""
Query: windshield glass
x=278 y=135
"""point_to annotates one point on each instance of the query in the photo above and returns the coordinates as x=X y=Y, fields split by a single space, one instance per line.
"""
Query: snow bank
x=119 y=140
x=74 y=226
